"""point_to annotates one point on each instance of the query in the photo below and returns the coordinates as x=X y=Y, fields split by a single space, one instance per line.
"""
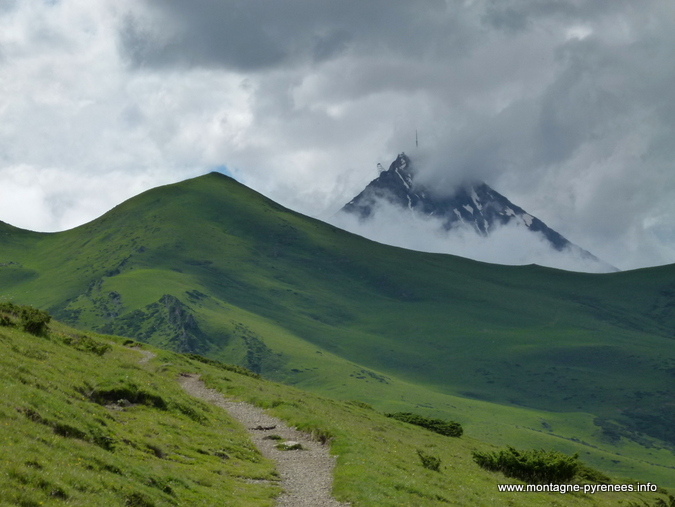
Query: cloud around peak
x=511 y=244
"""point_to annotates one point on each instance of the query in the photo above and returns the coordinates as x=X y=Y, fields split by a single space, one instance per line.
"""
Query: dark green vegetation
x=31 y=319
x=522 y=356
x=429 y=462
x=81 y=428
x=447 y=428
x=533 y=467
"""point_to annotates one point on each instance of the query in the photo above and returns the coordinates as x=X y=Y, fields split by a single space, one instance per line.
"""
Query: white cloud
x=511 y=244
x=58 y=199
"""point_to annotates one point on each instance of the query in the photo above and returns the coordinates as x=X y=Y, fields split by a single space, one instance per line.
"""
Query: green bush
x=534 y=467
x=8 y=307
x=447 y=428
x=31 y=319
x=10 y=311
x=430 y=462
x=87 y=344
x=34 y=321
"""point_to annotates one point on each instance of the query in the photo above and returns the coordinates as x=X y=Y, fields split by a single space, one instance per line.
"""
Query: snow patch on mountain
x=474 y=198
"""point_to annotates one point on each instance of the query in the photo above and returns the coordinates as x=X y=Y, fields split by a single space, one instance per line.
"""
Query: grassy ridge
x=68 y=438
x=210 y=266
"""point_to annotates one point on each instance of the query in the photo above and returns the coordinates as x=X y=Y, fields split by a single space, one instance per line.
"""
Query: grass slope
x=83 y=423
x=69 y=438
x=210 y=266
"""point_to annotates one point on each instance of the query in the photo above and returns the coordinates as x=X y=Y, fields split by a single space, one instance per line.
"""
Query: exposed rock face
x=183 y=322
x=168 y=323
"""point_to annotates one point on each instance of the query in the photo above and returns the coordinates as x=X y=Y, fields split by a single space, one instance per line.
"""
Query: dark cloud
x=259 y=34
x=597 y=93
x=518 y=15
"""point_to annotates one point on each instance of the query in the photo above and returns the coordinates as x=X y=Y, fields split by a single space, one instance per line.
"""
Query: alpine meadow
x=334 y=331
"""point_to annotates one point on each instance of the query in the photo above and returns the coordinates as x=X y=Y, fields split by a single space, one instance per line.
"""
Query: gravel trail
x=306 y=475
x=147 y=356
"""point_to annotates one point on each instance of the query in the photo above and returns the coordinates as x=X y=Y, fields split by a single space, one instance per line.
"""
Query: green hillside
x=525 y=356
x=90 y=420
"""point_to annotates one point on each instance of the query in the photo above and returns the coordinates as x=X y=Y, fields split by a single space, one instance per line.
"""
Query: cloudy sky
x=567 y=107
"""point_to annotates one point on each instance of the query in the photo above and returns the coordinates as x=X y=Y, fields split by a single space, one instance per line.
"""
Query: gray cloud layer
x=567 y=107
x=254 y=35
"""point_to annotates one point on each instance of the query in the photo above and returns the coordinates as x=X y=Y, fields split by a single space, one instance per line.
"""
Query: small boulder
x=290 y=445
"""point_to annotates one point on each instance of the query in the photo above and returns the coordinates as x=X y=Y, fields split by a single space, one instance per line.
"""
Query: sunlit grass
x=58 y=445
x=83 y=429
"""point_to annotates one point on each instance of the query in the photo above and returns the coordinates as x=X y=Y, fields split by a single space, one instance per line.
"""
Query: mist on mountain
x=469 y=219
x=509 y=244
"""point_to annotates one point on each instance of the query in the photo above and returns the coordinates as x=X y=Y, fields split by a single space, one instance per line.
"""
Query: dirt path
x=306 y=475
x=147 y=355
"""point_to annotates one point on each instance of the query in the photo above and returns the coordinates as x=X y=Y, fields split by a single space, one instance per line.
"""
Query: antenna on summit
x=417 y=144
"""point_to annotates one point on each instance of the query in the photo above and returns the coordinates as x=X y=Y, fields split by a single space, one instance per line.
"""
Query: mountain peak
x=474 y=205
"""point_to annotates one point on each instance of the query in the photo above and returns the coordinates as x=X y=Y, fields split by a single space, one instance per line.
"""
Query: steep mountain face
x=475 y=205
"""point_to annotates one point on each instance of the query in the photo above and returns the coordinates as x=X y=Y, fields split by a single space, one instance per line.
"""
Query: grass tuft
x=429 y=462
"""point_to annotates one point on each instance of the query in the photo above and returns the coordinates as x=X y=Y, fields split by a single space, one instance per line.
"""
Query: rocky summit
x=474 y=205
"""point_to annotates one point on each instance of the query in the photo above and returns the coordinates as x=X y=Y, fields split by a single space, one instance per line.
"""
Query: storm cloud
x=566 y=107
x=257 y=35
